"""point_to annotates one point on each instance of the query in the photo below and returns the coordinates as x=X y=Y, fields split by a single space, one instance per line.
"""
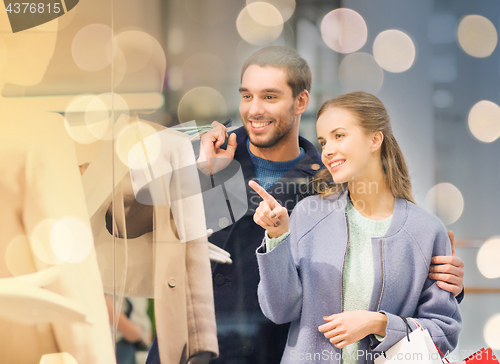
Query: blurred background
x=435 y=64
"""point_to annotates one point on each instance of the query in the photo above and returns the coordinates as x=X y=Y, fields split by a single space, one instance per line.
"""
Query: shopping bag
x=416 y=347
x=483 y=356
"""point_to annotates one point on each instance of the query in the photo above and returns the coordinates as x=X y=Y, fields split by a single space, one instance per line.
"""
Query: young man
x=275 y=86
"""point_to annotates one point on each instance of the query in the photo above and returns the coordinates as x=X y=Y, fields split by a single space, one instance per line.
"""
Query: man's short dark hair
x=296 y=68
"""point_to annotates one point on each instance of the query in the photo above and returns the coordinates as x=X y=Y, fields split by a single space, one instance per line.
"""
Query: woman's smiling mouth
x=334 y=165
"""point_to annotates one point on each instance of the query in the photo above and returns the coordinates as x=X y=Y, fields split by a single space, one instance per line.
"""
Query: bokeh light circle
x=74 y=120
x=394 y=50
x=360 y=72
x=18 y=256
x=446 y=202
x=140 y=49
x=98 y=115
x=203 y=105
x=344 y=30
x=40 y=242
x=477 y=36
x=91 y=48
x=285 y=7
x=488 y=256
x=484 y=121
x=71 y=240
x=259 y=23
x=130 y=135
x=491 y=332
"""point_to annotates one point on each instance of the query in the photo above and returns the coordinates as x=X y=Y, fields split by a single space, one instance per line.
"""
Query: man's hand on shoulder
x=212 y=157
x=448 y=271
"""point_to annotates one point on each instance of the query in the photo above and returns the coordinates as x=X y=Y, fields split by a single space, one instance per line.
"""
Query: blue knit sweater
x=268 y=172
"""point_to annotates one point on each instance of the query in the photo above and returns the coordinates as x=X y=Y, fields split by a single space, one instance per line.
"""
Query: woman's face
x=347 y=150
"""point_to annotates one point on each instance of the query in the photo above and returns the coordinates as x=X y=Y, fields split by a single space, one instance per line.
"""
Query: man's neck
x=277 y=153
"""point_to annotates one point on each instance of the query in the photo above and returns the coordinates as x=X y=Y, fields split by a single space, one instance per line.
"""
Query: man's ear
x=301 y=102
x=377 y=140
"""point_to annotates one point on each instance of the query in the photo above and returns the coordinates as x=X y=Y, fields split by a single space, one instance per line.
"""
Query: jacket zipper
x=343 y=266
x=345 y=258
x=380 y=290
x=381 y=275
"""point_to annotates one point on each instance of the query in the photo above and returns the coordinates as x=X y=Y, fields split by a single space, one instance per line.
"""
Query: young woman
x=357 y=256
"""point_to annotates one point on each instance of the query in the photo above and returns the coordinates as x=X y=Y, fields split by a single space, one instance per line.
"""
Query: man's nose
x=256 y=107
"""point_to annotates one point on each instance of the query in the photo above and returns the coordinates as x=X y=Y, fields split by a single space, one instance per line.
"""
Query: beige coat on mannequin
x=170 y=263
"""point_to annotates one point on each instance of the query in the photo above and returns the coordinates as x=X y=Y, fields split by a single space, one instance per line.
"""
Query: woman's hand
x=270 y=214
x=346 y=328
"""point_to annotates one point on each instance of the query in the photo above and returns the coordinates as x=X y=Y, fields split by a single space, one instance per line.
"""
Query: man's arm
x=448 y=271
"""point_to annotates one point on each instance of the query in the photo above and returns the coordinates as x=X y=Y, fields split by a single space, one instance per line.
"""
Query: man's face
x=267 y=106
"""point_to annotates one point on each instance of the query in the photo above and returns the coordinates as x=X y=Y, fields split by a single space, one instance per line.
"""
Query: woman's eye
x=338 y=136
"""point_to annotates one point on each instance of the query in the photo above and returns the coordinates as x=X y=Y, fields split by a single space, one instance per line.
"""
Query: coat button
x=219 y=279
x=172 y=283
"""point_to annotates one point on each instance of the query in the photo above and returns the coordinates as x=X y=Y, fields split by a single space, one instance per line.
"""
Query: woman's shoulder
x=313 y=209
x=422 y=222
x=319 y=205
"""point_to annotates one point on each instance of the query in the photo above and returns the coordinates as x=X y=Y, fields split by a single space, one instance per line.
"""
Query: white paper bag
x=416 y=347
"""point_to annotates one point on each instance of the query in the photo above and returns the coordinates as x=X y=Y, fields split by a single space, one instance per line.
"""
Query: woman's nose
x=329 y=149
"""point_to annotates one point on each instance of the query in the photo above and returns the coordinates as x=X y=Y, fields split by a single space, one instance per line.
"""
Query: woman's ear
x=301 y=102
x=377 y=140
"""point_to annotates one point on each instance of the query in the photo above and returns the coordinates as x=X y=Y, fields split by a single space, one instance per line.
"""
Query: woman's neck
x=372 y=197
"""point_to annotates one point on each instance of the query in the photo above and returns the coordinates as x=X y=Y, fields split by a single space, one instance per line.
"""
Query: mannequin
x=40 y=194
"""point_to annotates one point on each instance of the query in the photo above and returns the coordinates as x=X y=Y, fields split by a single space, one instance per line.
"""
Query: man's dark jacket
x=245 y=334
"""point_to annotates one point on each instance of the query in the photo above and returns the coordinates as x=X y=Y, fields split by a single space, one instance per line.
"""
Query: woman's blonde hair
x=372 y=117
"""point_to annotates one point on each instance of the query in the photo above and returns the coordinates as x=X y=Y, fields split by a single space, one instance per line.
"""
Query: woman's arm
x=280 y=288
x=348 y=327
x=437 y=310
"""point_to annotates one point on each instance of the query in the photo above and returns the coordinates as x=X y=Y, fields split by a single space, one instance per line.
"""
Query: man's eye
x=270 y=97
x=245 y=96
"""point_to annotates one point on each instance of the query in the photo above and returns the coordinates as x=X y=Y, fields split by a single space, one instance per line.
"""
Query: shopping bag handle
x=408 y=327
x=408 y=330
x=421 y=328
